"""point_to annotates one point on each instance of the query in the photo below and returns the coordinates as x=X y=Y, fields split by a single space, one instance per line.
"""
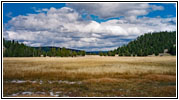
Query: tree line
x=16 y=49
x=147 y=44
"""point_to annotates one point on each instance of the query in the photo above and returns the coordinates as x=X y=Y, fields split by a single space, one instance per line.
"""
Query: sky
x=85 y=26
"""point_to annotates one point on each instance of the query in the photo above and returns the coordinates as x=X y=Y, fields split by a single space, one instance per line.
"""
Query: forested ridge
x=147 y=44
x=16 y=49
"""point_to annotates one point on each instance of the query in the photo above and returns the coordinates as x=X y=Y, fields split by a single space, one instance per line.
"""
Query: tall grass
x=94 y=65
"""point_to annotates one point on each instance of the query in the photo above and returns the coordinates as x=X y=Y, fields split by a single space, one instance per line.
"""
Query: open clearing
x=89 y=76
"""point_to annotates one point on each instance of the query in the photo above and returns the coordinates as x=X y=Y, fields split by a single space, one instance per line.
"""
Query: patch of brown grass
x=105 y=80
x=155 y=77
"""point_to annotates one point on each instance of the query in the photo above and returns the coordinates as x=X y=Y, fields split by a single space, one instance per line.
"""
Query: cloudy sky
x=85 y=26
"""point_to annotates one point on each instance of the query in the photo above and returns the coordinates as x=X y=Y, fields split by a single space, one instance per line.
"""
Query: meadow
x=89 y=76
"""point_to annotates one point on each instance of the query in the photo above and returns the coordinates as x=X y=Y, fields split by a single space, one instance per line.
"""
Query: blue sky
x=26 y=8
x=96 y=26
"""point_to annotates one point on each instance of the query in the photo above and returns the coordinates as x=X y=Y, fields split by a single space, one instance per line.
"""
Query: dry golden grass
x=90 y=65
x=102 y=74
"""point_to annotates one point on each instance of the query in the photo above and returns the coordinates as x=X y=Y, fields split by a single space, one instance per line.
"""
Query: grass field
x=89 y=76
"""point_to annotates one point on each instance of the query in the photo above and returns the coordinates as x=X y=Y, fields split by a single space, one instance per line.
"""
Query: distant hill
x=48 y=48
x=95 y=52
x=148 y=44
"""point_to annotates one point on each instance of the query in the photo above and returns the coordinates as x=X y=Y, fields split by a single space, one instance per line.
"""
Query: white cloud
x=39 y=10
x=154 y=7
x=108 y=10
x=64 y=27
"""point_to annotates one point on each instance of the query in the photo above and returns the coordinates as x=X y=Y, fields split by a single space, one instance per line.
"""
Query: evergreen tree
x=100 y=53
x=173 y=50
x=74 y=54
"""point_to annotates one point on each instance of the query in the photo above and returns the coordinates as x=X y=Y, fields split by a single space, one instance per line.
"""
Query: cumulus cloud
x=65 y=27
x=108 y=10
